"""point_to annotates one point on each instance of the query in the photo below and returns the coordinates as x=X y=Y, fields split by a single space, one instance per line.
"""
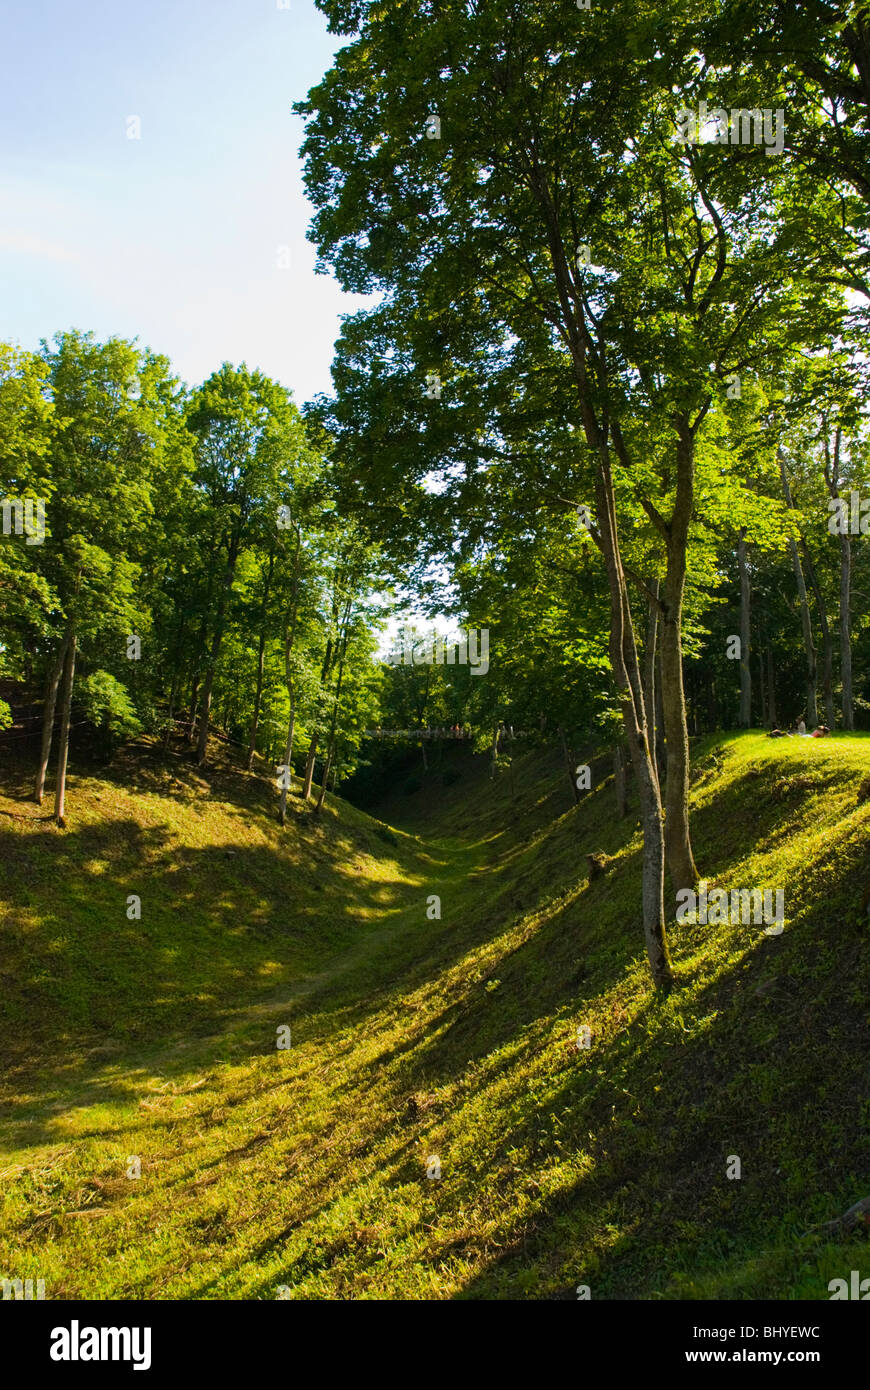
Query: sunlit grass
x=455 y=1038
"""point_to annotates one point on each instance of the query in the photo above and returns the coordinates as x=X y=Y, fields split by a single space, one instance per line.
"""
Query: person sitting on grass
x=821 y=732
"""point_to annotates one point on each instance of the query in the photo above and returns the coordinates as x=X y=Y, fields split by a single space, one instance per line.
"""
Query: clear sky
x=172 y=238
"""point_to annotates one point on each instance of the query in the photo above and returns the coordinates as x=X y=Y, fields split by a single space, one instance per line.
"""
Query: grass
x=302 y=1172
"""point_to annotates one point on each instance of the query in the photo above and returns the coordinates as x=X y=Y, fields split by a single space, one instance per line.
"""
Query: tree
x=247 y=436
x=110 y=403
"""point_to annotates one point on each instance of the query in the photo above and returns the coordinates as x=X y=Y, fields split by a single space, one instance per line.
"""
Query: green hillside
x=304 y=1170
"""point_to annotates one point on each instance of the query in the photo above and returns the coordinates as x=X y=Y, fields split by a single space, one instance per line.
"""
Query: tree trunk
x=494 y=753
x=745 y=634
x=196 y=670
x=288 y=757
x=678 y=845
x=326 y=771
x=326 y=667
x=289 y=642
x=714 y=718
x=309 y=767
x=330 y=753
x=255 y=720
x=809 y=644
x=261 y=663
x=681 y=862
x=587 y=368
x=832 y=478
x=619 y=781
x=845 y=631
x=568 y=768
x=63 y=748
x=661 y=752
x=651 y=696
x=173 y=693
x=191 y=717
x=827 y=639
x=626 y=672
x=48 y=717
x=205 y=702
x=771 y=688
x=211 y=668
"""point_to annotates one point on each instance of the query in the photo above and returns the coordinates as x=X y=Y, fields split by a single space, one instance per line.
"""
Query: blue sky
x=172 y=238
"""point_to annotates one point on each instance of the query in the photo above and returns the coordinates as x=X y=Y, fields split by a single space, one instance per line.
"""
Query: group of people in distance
x=800 y=731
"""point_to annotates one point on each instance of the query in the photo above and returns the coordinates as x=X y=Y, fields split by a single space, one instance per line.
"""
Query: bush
x=109 y=708
x=412 y=784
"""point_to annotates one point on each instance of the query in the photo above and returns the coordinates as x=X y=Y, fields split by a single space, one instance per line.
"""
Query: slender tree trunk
x=661 y=752
x=205 y=700
x=288 y=760
x=827 y=639
x=678 y=844
x=809 y=644
x=309 y=767
x=325 y=669
x=845 y=631
x=63 y=747
x=174 y=692
x=651 y=696
x=261 y=663
x=48 y=717
x=762 y=696
x=330 y=754
x=191 y=717
x=255 y=720
x=806 y=624
x=167 y=737
x=745 y=634
x=494 y=753
x=568 y=768
x=623 y=647
x=176 y=684
x=217 y=640
x=626 y=672
x=289 y=642
x=196 y=666
x=325 y=776
x=832 y=478
x=619 y=781
x=681 y=862
x=771 y=688
x=712 y=703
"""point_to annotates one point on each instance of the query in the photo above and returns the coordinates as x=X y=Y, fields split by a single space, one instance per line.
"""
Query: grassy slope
x=456 y=1038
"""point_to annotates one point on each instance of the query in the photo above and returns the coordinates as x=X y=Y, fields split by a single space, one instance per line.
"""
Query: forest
x=587 y=502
